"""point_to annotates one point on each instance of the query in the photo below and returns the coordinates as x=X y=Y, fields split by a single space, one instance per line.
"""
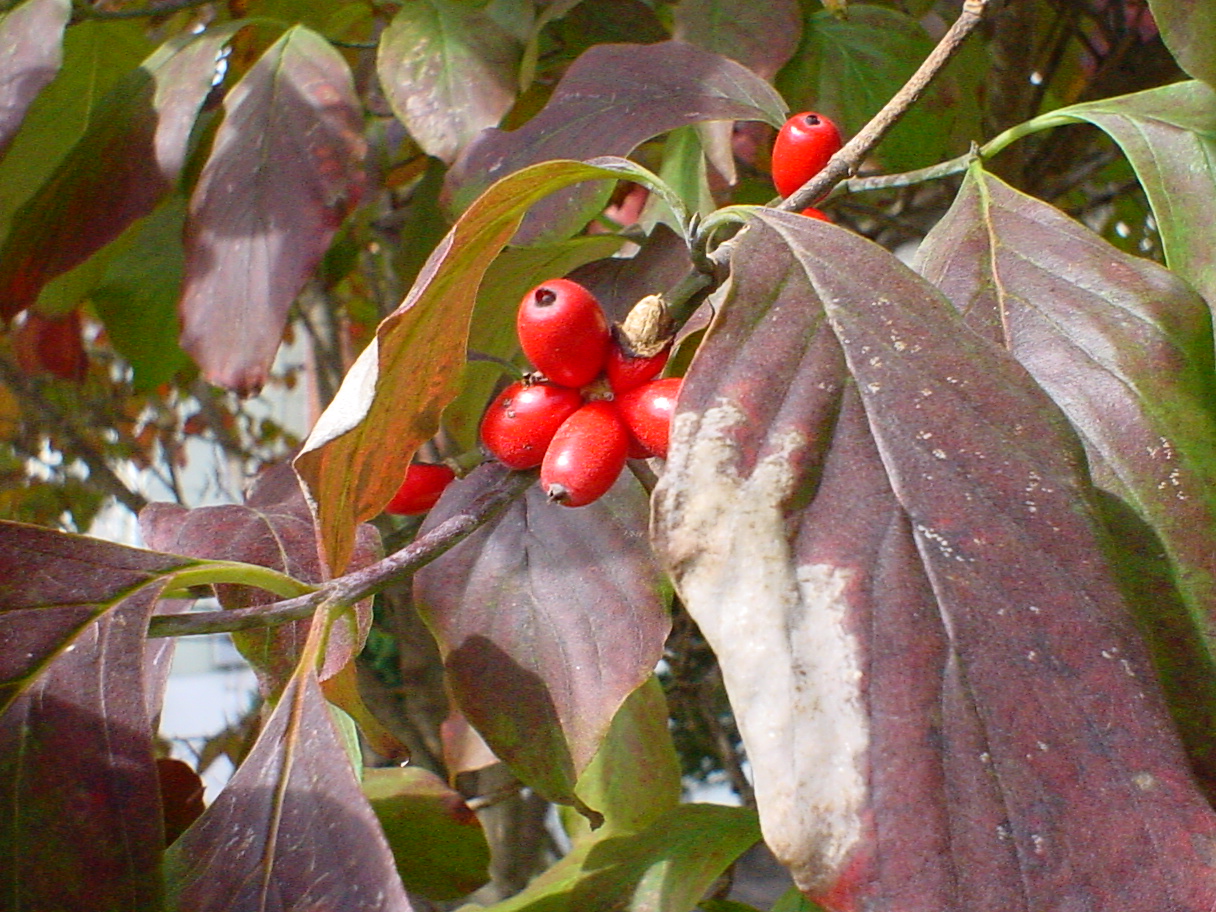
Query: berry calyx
x=802 y=149
x=586 y=455
x=647 y=412
x=420 y=489
x=520 y=422
x=563 y=332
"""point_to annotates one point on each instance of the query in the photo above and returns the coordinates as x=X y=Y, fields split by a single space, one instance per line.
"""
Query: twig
x=353 y=587
x=847 y=160
x=710 y=270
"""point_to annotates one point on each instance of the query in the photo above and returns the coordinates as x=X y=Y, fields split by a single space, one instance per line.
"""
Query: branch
x=846 y=162
x=711 y=269
x=353 y=587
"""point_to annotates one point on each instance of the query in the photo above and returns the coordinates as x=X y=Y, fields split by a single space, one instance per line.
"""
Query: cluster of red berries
x=803 y=148
x=593 y=403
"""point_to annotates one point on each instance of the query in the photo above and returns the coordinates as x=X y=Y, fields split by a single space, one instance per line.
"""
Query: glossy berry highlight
x=421 y=489
x=519 y=424
x=804 y=146
x=647 y=412
x=563 y=332
x=586 y=455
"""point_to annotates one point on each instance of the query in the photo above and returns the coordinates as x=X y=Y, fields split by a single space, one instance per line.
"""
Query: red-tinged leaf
x=32 y=38
x=437 y=840
x=547 y=618
x=51 y=345
x=127 y=160
x=274 y=529
x=181 y=796
x=1125 y=349
x=761 y=36
x=78 y=785
x=392 y=397
x=448 y=71
x=1189 y=31
x=943 y=695
x=285 y=168
x=292 y=830
x=1169 y=136
x=613 y=98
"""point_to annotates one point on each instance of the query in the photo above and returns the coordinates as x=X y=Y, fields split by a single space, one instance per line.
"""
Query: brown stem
x=351 y=588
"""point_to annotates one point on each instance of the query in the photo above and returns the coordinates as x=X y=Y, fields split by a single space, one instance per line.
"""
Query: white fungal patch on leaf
x=791 y=666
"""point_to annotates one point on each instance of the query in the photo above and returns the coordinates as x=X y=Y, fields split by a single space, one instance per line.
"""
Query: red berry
x=812 y=212
x=563 y=332
x=803 y=147
x=586 y=455
x=647 y=412
x=519 y=424
x=625 y=372
x=420 y=489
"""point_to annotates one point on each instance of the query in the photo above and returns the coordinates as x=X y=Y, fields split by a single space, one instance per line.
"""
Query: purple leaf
x=761 y=36
x=32 y=38
x=78 y=784
x=116 y=173
x=285 y=168
x=54 y=586
x=886 y=532
x=613 y=98
x=291 y=831
x=547 y=619
x=274 y=529
x=1124 y=348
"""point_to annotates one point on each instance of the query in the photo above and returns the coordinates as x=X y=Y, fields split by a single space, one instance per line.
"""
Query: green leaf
x=634 y=778
x=1169 y=136
x=448 y=71
x=361 y=445
x=437 y=841
x=849 y=67
x=665 y=868
x=683 y=170
x=137 y=297
x=1189 y=31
